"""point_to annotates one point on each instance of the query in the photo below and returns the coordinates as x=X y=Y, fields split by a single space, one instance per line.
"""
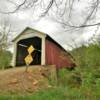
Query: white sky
x=22 y=19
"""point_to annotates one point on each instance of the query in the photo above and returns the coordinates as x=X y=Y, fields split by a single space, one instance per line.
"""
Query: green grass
x=58 y=93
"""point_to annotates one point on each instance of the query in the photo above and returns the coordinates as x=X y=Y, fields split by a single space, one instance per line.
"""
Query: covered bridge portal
x=47 y=51
x=22 y=52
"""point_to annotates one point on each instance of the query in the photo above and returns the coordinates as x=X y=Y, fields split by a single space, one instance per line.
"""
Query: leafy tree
x=87 y=56
x=5 y=59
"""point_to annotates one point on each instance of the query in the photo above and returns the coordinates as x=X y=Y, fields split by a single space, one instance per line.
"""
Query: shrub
x=69 y=78
x=87 y=56
x=5 y=59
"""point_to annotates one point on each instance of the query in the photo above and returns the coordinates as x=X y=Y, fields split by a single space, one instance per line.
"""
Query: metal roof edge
x=25 y=30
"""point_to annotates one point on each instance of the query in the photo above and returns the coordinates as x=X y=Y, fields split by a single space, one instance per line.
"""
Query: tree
x=5 y=59
x=4 y=35
x=5 y=55
x=62 y=11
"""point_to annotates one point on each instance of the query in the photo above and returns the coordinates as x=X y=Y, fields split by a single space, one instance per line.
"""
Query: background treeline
x=87 y=56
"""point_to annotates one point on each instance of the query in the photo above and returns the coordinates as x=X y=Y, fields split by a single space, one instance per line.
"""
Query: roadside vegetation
x=5 y=59
x=82 y=83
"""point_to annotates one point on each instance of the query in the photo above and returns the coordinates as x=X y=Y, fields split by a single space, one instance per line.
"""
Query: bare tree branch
x=17 y=8
x=61 y=12
x=4 y=35
x=48 y=8
x=93 y=9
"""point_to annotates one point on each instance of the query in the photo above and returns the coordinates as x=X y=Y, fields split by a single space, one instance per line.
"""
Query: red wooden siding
x=54 y=56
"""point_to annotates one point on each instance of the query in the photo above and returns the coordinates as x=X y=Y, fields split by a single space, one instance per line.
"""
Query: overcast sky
x=22 y=19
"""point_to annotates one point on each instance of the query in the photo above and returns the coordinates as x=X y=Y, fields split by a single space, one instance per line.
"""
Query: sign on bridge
x=28 y=59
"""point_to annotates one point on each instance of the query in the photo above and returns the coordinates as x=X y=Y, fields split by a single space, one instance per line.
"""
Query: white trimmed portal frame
x=29 y=33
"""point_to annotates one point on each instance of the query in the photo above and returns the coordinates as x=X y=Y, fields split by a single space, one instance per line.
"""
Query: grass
x=58 y=93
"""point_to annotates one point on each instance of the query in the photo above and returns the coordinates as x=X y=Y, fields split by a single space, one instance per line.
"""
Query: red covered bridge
x=47 y=51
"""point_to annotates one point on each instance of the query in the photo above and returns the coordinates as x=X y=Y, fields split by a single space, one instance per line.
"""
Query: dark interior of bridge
x=22 y=51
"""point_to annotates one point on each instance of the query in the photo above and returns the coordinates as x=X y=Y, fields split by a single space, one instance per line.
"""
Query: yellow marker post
x=28 y=59
x=30 y=49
